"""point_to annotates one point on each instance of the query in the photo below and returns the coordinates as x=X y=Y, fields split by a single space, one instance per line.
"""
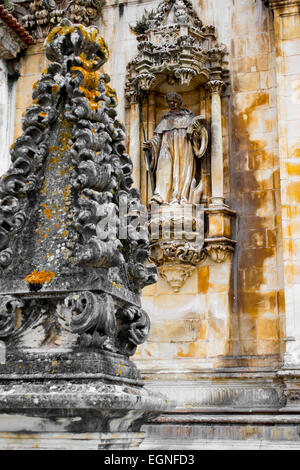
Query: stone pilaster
x=216 y=88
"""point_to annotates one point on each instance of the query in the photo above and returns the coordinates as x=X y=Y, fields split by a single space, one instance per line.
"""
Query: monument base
x=72 y=415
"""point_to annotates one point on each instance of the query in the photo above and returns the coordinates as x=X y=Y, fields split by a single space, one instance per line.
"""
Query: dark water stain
x=256 y=241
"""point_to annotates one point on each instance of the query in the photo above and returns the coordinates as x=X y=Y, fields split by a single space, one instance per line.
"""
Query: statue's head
x=174 y=101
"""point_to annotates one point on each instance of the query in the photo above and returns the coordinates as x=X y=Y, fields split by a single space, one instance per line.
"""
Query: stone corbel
x=176 y=274
x=177 y=258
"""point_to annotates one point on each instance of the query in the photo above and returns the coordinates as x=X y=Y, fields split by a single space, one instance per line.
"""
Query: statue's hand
x=198 y=135
x=147 y=145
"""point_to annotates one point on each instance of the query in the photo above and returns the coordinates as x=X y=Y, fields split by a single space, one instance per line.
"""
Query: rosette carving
x=91 y=312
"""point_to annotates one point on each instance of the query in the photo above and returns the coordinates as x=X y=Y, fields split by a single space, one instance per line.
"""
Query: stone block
x=267 y=328
x=174 y=331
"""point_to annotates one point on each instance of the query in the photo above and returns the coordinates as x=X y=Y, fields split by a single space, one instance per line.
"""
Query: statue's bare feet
x=174 y=202
x=156 y=199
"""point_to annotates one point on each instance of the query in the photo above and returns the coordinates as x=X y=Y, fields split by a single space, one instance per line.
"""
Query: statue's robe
x=173 y=160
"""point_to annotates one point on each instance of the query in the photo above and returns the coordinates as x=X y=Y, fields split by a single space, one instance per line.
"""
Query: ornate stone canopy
x=174 y=46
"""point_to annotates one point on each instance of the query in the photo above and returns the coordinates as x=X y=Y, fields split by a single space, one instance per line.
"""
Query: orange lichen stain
x=34 y=85
x=62 y=172
x=45 y=236
x=48 y=255
x=53 y=160
x=55 y=87
x=110 y=92
x=65 y=233
x=47 y=211
x=56 y=225
x=39 y=277
x=148 y=353
x=117 y=285
x=120 y=370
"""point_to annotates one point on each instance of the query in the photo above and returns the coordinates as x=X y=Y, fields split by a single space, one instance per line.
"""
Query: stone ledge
x=70 y=441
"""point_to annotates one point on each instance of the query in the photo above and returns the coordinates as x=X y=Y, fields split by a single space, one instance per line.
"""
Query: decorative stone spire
x=72 y=250
x=61 y=198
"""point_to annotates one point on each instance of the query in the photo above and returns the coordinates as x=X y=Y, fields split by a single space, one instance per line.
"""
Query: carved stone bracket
x=176 y=274
x=220 y=252
x=177 y=242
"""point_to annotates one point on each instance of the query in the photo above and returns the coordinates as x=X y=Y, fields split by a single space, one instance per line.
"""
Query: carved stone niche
x=178 y=53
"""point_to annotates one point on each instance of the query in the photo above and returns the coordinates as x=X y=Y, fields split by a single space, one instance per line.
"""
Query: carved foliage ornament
x=42 y=15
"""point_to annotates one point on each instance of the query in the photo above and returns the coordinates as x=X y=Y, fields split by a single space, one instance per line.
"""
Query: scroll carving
x=9 y=309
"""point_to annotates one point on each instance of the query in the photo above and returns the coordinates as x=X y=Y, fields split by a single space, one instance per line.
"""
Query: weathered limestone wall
x=31 y=67
x=221 y=311
x=224 y=312
x=287 y=36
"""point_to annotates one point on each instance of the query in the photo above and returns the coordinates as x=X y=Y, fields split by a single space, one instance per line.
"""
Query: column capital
x=216 y=86
x=276 y=4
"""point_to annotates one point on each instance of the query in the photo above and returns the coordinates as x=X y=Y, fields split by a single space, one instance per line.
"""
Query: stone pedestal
x=78 y=413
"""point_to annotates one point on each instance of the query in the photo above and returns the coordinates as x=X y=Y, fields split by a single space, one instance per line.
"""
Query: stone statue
x=177 y=140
